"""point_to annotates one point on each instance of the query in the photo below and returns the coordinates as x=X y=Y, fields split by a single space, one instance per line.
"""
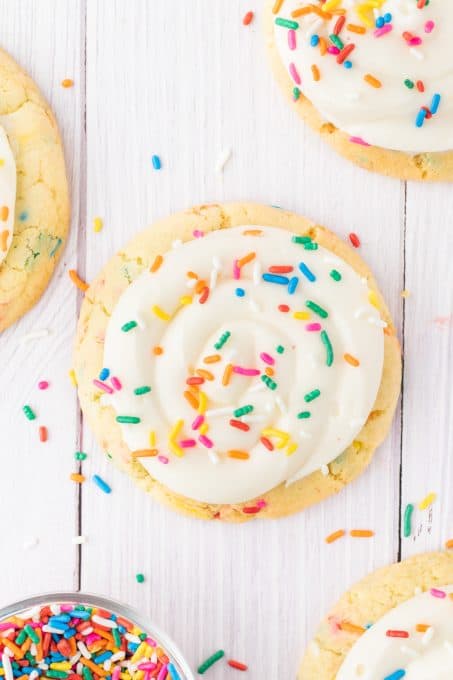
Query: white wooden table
x=186 y=80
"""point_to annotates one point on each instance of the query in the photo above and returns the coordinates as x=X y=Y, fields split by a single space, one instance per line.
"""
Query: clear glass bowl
x=127 y=612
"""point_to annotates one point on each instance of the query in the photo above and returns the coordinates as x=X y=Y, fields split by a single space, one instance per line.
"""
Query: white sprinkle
x=176 y=243
x=254 y=305
x=50 y=629
x=257 y=272
x=34 y=335
x=214 y=412
x=223 y=159
x=428 y=636
x=107 y=664
x=377 y=322
x=83 y=649
x=140 y=322
x=87 y=631
x=44 y=666
x=281 y=404
x=191 y=283
x=253 y=419
x=213 y=456
x=79 y=668
x=257 y=387
x=33 y=649
x=103 y=621
x=78 y=540
x=7 y=668
x=117 y=656
x=213 y=278
x=216 y=262
x=33 y=675
x=55 y=609
x=129 y=636
x=153 y=657
x=74 y=659
x=417 y=54
x=325 y=470
x=408 y=651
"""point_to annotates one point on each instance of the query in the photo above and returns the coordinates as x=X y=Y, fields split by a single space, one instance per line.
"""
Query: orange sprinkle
x=320 y=13
x=192 y=275
x=322 y=46
x=207 y=375
x=355 y=29
x=212 y=359
x=351 y=627
x=227 y=374
x=98 y=670
x=269 y=371
x=315 y=72
x=361 y=533
x=67 y=82
x=4 y=213
x=157 y=350
x=43 y=433
x=335 y=536
x=246 y=259
x=75 y=477
x=277 y=6
x=204 y=295
x=199 y=286
x=248 y=18
x=14 y=648
x=144 y=453
x=192 y=399
x=449 y=544
x=302 y=11
x=371 y=80
x=75 y=278
x=351 y=360
x=156 y=264
x=240 y=455
x=421 y=627
x=4 y=240
x=252 y=232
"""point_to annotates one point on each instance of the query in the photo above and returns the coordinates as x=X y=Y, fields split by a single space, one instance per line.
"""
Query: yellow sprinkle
x=279 y=434
x=202 y=403
x=61 y=666
x=301 y=315
x=139 y=675
x=72 y=377
x=97 y=224
x=175 y=430
x=152 y=439
x=185 y=300
x=373 y=299
x=174 y=448
x=427 y=501
x=291 y=448
x=139 y=652
x=160 y=313
x=405 y=293
x=330 y=4
x=315 y=72
x=2 y=162
x=204 y=428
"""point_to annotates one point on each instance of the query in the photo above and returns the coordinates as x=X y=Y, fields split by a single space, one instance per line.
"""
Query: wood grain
x=188 y=82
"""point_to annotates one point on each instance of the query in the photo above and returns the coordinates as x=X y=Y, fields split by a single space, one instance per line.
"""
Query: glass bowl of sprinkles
x=75 y=636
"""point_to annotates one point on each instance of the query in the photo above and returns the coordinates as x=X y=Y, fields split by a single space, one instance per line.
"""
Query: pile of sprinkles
x=80 y=642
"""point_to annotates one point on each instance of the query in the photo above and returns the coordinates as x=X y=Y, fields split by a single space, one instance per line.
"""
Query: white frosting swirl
x=414 y=46
x=425 y=654
x=335 y=399
x=7 y=194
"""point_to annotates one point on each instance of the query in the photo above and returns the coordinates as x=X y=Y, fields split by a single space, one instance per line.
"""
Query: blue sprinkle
x=275 y=278
x=63 y=618
x=58 y=624
x=314 y=40
x=421 y=115
x=101 y=484
x=387 y=17
x=435 y=103
x=121 y=630
x=100 y=658
x=396 y=675
x=57 y=245
x=173 y=672
x=307 y=272
x=156 y=162
x=240 y=292
x=23 y=216
x=380 y=21
x=347 y=64
x=69 y=633
x=80 y=614
x=292 y=285
x=104 y=374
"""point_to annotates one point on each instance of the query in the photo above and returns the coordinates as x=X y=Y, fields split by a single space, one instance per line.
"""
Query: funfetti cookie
x=397 y=623
x=372 y=77
x=34 y=205
x=238 y=361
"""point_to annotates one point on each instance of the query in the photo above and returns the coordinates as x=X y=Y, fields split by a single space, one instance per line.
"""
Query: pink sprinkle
x=415 y=41
x=292 y=39
x=92 y=637
x=116 y=383
x=163 y=459
x=438 y=593
x=313 y=327
x=429 y=26
x=103 y=386
x=43 y=385
x=358 y=140
x=163 y=672
x=7 y=626
x=116 y=673
x=197 y=233
x=147 y=666
x=205 y=441
x=151 y=642
x=246 y=371
x=267 y=358
x=333 y=50
x=261 y=504
x=386 y=28
x=66 y=607
x=236 y=270
x=334 y=624
x=295 y=74
x=199 y=420
x=187 y=444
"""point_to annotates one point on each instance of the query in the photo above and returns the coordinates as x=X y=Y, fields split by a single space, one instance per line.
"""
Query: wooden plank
x=428 y=428
x=37 y=500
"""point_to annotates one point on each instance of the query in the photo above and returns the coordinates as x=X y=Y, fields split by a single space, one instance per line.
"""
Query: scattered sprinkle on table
x=361 y=533
x=223 y=159
x=237 y=665
x=101 y=484
x=210 y=661
x=77 y=281
x=139 y=578
x=248 y=18
x=427 y=501
x=354 y=239
x=157 y=163
x=43 y=385
x=79 y=540
x=335 y=536
x=43 y=433
x=97 y=224
x=407 y=523
x=67 y=82
x=76 y=477
x=29 y=413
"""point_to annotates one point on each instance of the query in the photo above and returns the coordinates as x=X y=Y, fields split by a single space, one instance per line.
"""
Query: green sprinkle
x=57 y=674
x=311 y=246
x=280 y=349
x=337 y=41
x=222 y=340
x=304 y=414
x=287 y=23
x=210 y=661
x=409 y=84
x=143 y=636
x=116 y=637
x=335 y=275
x=79 y=455
x=301 y=239
x=87 y=674
x=328 y=345
x=142 y=390
x=128 y=419
x=128 y=326
x=269 y=382
x=139 y=578
x=21 y=637
x=408 y=520
x=243 y=410
x=316 y=309
x=30 y=414
x=296 y=93
x=31 y=634
x=314 y=394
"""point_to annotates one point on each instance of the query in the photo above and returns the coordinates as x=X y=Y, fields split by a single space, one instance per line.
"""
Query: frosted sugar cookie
x=372 y=77
x=34 y=205
x=396 y=623
x=238 y=361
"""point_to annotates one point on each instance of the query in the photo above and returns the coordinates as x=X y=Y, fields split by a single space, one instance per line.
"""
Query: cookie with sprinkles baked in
x=238 y=361
x=34 y=204
x=372 y=77
x=396 y=623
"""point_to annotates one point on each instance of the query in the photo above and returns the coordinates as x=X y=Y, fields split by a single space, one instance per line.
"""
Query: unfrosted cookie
x=238 y=360
x=34 y=204
x=396 y=623
x=373 y=78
